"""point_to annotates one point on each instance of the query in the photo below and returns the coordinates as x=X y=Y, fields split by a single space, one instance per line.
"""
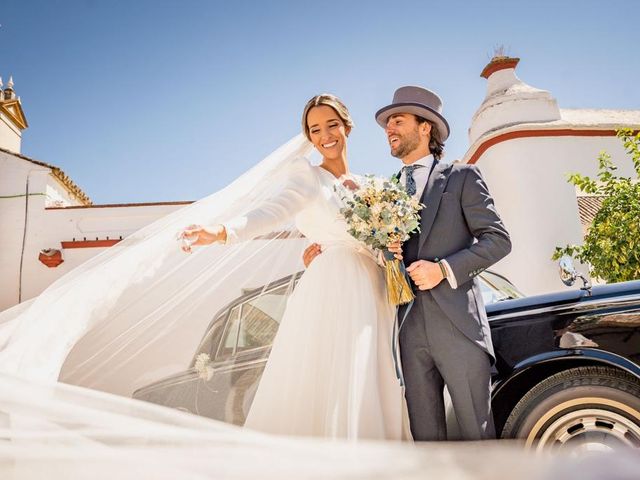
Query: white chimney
x=510 y=101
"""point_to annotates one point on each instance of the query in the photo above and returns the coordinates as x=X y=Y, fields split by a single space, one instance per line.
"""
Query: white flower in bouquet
x=380 y=212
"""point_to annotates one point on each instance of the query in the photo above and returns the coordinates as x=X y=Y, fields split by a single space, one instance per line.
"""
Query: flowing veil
x=129 y=301
x=71 y=359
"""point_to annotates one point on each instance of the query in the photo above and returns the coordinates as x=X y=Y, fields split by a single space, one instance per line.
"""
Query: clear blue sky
x=170 y=100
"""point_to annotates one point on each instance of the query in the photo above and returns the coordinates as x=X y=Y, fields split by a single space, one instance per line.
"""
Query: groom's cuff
x=451 y=278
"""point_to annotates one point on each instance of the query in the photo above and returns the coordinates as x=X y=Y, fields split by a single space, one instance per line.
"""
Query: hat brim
x=423 y=111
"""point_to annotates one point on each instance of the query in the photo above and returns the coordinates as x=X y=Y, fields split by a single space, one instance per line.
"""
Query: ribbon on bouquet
x=397 y=280
x=395 y=340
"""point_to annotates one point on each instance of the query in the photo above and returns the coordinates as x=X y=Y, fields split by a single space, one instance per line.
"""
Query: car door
x=184 y=390
x=238 y=343
x=242 y=354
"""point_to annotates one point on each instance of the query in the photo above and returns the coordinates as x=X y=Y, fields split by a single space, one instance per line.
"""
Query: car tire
x=583 y=408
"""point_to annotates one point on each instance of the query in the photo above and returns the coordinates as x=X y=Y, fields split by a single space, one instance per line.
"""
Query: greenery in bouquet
x=379 y=211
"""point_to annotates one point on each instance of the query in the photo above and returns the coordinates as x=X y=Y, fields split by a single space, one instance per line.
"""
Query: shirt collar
x=424 y=161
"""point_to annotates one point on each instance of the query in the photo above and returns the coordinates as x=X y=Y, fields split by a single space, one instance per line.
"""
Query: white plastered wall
x=528 y=179
x=50 y=227
x=10 y=135
x=47 y=227
x=16 y=209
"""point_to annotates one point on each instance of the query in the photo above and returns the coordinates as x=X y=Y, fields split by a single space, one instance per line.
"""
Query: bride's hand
x=350 y=184
x=396 y=249
x=199 y=235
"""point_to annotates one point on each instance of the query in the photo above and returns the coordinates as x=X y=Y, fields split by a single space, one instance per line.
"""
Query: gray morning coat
x=460 y=224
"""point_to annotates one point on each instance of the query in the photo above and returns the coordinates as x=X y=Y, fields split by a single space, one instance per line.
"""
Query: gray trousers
x=435 y=353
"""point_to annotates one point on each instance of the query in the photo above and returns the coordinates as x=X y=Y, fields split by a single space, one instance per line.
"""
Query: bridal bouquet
x=379 y=212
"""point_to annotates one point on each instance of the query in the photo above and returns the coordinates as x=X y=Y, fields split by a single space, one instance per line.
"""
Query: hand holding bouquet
x=380 y=212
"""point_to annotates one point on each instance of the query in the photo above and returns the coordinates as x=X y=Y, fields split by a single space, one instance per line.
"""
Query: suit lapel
x=431 y=199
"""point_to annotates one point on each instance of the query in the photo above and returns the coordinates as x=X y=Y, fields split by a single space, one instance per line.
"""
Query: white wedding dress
x=331 y=370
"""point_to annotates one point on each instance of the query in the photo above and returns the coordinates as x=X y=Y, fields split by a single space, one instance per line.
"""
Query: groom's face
x=403 y=134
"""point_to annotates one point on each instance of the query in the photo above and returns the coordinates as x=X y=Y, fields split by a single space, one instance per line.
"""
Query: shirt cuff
x=451 y=278
x=232 y=228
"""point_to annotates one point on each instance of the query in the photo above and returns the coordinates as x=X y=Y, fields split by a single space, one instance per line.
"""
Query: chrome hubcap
x=590 y=430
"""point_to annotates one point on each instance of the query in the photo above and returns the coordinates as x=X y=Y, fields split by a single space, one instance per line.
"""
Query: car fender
x=507 y=392
x=580 y=355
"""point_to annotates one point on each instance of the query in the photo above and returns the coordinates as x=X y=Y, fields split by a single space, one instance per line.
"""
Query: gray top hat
x=419 y=101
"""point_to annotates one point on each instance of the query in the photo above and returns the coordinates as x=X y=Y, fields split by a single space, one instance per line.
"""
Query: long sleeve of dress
x=299 y=187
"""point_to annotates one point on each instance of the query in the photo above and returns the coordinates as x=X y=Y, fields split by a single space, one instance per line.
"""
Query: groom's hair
x=436 y=145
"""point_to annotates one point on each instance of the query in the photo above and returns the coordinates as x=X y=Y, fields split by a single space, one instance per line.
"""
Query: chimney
x=497 y=63
x=510 y=101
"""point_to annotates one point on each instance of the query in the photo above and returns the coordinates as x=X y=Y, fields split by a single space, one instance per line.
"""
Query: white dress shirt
x=421 y=176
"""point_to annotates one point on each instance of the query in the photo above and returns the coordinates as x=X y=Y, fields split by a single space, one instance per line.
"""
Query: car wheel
x=577 y=410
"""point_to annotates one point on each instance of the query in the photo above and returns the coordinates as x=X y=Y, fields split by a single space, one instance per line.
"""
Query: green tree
x=612 y=244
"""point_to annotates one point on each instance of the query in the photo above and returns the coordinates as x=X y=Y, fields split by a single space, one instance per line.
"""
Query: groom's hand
x=425 y=274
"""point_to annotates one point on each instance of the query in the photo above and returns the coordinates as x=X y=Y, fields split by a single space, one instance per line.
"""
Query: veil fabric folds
x=136 y=299
x=64 y=432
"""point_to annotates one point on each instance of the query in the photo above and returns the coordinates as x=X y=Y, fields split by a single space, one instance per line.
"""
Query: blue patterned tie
x=410 y=182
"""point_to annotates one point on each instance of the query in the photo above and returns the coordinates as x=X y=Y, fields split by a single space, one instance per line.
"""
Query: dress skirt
x=331 y=371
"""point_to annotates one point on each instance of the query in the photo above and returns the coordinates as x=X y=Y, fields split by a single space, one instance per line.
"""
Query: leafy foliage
x=612 y=244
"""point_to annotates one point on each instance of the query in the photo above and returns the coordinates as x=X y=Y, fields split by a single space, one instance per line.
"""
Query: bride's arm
x=300 y=186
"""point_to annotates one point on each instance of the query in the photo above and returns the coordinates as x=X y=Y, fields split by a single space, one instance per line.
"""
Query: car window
x=209 y=343
x=228 y=344
x=254 y=323
x=495 y=288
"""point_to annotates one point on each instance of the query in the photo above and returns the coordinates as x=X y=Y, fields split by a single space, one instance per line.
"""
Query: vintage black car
x=567 y=372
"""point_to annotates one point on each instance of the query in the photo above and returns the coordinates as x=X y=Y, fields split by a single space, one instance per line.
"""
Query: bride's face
x=327 y=131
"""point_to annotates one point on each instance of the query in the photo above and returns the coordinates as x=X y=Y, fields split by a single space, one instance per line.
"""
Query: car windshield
x=495 y=288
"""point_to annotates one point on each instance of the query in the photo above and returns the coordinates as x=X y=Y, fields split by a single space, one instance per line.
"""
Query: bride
x=135 y=313
x=330 y=372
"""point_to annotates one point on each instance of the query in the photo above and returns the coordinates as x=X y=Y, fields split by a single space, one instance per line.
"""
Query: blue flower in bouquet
x=380 y=212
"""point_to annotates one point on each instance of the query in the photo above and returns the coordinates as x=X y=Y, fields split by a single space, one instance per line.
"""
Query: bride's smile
x=328 y=133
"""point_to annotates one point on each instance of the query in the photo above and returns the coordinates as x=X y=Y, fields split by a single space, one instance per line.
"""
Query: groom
x=444 y=336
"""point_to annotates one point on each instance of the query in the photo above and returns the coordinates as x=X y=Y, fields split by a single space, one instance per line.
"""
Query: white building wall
x=29 y=219
x=528 y=180
x=47 y=228
x=501 y=114
x=14 y=173
x=57 y=195
x=10 y=135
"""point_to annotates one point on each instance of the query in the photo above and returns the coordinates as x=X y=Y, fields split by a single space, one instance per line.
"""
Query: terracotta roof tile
x=588 y=206
x=62 y=177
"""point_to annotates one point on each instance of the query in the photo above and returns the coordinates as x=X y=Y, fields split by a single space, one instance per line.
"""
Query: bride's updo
x=330 y=101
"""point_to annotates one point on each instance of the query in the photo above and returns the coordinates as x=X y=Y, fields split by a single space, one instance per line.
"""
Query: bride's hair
x=330 y=101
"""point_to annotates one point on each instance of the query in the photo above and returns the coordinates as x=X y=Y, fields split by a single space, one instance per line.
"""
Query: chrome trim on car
x=191 y=374
x=238 y=365
x=586 y=304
